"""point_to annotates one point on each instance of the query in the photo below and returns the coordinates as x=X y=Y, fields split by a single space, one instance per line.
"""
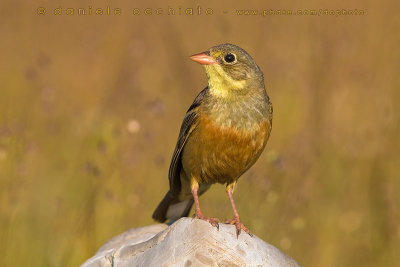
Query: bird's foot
x=239 y=226
x=212 y=221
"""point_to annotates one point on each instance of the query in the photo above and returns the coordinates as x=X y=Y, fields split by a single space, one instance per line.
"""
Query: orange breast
x=214 y=154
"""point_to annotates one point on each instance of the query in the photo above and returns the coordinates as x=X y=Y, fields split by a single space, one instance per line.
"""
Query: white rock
x=188 y=242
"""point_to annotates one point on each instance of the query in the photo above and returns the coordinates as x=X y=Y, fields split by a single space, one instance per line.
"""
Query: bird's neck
x=241 y=111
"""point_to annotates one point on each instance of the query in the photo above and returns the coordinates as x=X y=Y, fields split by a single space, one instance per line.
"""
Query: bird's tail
x=170 y=208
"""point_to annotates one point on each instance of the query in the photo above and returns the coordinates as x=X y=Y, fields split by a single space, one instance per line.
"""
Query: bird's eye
x=229 y=58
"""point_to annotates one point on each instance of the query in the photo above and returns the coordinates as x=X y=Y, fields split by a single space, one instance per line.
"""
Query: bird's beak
x=203 y=58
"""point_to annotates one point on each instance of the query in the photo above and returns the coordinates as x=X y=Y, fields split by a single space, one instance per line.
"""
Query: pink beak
x=203 y=58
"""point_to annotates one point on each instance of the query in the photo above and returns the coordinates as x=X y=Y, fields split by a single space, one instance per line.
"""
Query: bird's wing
x=188 y=125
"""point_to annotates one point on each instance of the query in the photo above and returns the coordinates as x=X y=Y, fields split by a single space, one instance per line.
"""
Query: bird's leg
x=236 y=220
x=198 y=214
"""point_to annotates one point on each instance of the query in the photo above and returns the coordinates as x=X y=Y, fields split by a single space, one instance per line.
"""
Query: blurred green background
x=90 y=109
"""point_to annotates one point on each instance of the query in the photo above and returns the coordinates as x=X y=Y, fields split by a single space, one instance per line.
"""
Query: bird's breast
x=215 y=153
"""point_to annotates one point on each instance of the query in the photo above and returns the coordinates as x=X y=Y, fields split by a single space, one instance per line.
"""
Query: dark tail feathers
x=170 y=208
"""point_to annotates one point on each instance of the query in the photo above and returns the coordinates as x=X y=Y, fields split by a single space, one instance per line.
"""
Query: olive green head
x=230 y=70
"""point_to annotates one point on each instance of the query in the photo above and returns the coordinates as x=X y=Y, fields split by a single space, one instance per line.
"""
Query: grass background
x=90 y=109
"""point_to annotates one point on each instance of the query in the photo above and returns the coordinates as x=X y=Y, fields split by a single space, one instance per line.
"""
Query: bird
x=222 y=134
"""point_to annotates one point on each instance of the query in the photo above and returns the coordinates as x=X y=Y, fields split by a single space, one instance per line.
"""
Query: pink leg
x=198 y=214
x=236 y=220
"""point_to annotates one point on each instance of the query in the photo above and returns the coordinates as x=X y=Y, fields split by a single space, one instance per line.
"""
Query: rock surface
x=188 y=242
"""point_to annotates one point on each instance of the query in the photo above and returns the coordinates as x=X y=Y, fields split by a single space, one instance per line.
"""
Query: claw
x=212 y=221
x=238 y=233
x=239 y=226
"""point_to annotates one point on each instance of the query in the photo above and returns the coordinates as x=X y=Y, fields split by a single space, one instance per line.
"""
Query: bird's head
x=230 y=70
